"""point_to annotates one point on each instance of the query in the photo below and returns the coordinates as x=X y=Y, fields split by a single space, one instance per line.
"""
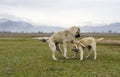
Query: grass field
x=25 y=57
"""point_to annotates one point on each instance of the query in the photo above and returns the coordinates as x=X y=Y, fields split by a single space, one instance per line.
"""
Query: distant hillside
x=114 y=27
x=22 y=26
x=14 y=26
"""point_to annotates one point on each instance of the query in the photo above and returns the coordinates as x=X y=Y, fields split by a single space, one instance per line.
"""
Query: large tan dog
x=62 y=37
x=87 y=42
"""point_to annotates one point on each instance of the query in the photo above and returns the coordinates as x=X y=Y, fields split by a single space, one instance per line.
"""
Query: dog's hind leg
x=89 y=51
x=59 y=49
x=53 y=49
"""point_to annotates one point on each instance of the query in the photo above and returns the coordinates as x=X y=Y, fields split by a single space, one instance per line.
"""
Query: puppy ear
x=75 y=42
x=74 y=46
x=81 y=44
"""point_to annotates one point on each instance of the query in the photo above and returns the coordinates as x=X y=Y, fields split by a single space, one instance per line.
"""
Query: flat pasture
x=27 y=57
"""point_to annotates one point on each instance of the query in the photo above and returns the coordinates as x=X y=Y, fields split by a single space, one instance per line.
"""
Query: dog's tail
x=44 y=39
x=97 y=40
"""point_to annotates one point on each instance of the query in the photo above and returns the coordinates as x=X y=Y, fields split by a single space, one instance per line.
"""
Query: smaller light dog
x=87 y=42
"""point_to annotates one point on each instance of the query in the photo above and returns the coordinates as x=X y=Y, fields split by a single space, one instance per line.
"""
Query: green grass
x=32 y=58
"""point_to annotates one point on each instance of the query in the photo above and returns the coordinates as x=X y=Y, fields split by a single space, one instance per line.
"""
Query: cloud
x=63 y=12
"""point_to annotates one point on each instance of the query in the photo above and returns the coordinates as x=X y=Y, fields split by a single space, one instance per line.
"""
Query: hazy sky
x=63 y=13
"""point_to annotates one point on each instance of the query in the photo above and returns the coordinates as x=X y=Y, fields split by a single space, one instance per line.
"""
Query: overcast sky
x=63 y=13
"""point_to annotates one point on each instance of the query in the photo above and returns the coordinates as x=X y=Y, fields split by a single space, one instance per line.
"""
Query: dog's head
x=75 y=31
x=75 y=48
x=76 y=45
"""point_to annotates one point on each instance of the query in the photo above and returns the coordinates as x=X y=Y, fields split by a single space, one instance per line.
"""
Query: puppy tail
x=99 y=39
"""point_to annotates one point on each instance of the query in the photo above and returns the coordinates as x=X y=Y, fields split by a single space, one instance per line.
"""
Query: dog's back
x=87 y=40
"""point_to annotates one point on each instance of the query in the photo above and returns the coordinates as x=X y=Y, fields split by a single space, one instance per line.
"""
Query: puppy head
x=75 y=48
x=77 y=44
x=75 y=31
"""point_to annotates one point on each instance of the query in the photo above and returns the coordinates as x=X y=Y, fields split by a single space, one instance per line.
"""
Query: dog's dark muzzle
x=78 y=35
x=75 y=49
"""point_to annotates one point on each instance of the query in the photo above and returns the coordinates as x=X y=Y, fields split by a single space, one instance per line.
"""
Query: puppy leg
x=81 y=53
x=75 y=49
x=89 y=52
x=75 y=54
x=53 y=49
x=94 y=50
x=65 y=50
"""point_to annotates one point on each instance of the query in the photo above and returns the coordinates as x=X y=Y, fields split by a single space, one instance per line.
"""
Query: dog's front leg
x=65 y=50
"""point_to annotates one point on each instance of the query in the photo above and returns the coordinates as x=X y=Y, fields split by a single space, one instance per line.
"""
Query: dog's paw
x=66 y=57
x=81 y=60
x=55 y=59
x=87 y=57
x=73 y=57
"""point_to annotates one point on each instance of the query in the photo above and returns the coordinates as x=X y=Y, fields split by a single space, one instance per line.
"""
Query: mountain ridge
x=113 y=27
x=23 y=26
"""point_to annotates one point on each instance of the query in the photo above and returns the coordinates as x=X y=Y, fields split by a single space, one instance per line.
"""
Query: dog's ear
x=78 y=43
x=75 y=46
x=75 y=42
x=81 y=44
